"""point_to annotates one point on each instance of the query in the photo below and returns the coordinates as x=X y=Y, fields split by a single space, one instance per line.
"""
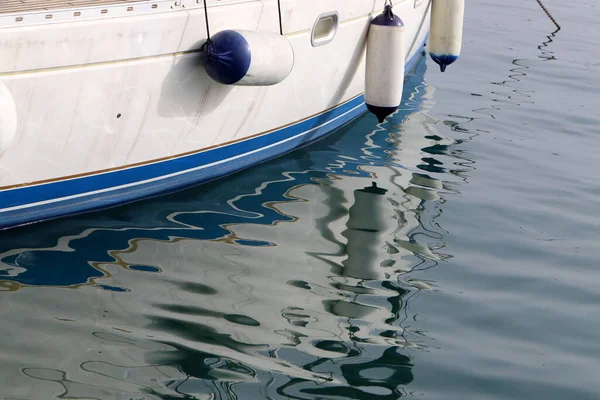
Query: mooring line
x=548 y=13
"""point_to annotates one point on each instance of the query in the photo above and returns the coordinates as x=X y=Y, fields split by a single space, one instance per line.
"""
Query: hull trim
x=173 y=157
x=102 y=189
x=162 y=177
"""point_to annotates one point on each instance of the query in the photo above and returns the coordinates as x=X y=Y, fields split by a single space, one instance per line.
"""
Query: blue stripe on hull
x=121 y=186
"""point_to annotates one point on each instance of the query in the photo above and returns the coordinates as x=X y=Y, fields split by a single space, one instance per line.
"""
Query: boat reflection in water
x=290 y=280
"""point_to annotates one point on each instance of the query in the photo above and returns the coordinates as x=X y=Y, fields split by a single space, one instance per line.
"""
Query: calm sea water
x=449 y=253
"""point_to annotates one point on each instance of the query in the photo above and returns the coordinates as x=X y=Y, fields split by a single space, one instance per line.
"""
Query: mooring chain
x=548 y=13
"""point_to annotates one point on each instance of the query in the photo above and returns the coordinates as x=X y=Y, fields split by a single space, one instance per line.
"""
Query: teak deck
x=22 y=6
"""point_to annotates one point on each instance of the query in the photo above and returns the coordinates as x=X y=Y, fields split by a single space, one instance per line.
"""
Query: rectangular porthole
x=324 y=29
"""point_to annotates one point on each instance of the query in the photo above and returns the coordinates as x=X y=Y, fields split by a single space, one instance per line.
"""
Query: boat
x=237 y=210
x=177 y=255
x=105 y=102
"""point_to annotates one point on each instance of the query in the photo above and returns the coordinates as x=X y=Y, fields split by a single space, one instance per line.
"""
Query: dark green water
x=469 y=271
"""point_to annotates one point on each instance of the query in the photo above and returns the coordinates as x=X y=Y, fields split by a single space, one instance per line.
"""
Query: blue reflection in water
x=65 y=252
x=366 y=263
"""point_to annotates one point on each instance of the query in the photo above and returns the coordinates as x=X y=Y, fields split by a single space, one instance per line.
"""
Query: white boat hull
x=111 y=110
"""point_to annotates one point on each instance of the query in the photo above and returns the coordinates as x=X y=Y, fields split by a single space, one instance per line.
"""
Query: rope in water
x=548 y=13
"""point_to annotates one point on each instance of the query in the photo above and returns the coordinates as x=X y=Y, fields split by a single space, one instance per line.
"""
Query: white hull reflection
x=200 y=298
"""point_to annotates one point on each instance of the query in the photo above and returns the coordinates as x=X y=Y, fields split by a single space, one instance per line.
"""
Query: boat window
x=324 y=29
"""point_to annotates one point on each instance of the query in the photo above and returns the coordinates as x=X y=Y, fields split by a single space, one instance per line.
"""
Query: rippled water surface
x=448 y=253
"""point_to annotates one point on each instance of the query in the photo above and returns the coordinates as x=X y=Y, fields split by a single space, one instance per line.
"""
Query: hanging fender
x=386 y=60
x=445 y=39
x=248 y=58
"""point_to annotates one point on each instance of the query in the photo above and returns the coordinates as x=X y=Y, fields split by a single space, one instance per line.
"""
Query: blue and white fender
x=248 y=58
x=386 y=59
x=445 y=39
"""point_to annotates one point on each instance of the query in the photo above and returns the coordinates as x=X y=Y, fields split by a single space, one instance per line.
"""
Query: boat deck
x=22 y=6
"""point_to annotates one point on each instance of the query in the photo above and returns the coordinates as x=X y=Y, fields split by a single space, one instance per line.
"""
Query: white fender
x=248 y=58
x=445 y=38
x=386 y=60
